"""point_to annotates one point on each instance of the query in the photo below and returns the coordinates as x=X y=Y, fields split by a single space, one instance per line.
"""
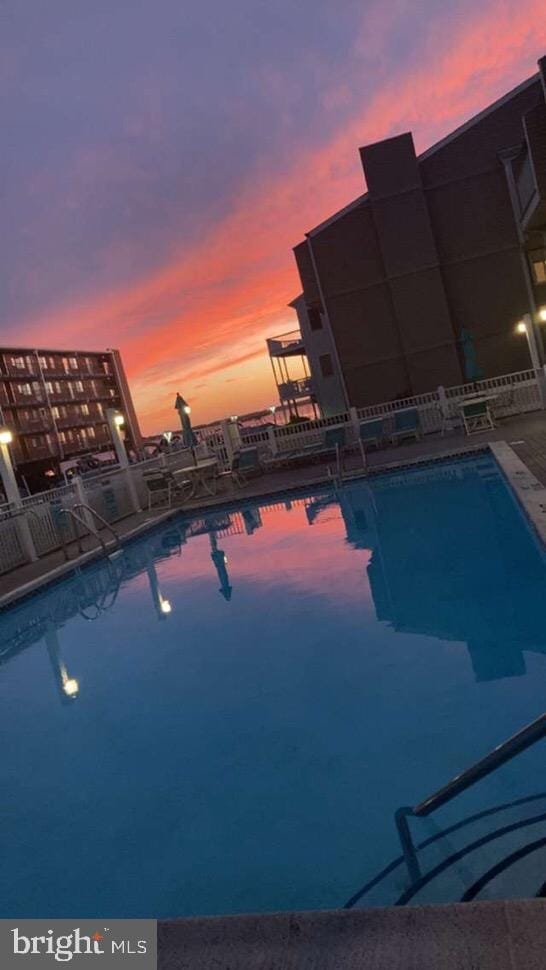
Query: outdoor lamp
x=542 y=314
x=6 y=437
x=233 y=418
x=187 y=409
x=119 y=420
x=165 y=606
x=71 y=687
x=521 y=327
x=273 y=408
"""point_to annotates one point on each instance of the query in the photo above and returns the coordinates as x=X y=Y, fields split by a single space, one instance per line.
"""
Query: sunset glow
x=194 y=319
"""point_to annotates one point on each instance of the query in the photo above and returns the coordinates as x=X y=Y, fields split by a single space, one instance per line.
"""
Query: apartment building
x=55 y=403
x=445 y=250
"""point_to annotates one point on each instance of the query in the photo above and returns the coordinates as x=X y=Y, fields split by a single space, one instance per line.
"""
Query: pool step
x=496 y=854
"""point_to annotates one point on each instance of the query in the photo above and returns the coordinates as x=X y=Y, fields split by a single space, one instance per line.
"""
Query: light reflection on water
x=226 y=718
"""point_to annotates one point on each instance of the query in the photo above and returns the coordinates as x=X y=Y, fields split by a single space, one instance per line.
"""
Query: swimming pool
x=227 y=717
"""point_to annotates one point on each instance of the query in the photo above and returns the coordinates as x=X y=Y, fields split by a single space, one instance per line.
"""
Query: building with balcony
x=444 y=250
x=55 y=402
x=290 y=365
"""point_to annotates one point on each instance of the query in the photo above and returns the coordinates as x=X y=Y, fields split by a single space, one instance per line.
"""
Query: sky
x=161 y=158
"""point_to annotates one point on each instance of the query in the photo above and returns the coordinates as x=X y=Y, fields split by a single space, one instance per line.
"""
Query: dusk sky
x=160 y=159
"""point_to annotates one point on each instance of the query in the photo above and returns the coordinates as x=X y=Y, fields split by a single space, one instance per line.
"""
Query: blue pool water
x=257 y=692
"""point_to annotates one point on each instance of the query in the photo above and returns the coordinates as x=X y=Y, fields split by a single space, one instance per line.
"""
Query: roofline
x=479 y=117
x=36 y=349
x=433 y=148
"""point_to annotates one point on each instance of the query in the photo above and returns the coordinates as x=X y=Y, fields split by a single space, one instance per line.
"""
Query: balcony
x=34 y=426
x=286 y=345
x=292 y=390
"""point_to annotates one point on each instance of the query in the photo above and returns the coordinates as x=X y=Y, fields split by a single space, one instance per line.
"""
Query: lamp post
x=116 y=422
x=526 y=326
x=6 y=468
x=13 y=497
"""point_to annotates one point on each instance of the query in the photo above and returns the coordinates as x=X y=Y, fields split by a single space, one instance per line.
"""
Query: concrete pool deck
x=501 y=935
x=525 y=434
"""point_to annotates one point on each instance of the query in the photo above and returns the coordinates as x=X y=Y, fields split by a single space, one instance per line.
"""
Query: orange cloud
x=209 y=310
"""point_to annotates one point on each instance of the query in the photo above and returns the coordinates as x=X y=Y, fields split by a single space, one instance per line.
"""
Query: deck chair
x=246 y=464
x=406 y=425
x=158 y=486
x=369 y=433
x=477 y=417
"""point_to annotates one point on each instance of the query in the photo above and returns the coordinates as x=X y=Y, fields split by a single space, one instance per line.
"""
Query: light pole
x=116 y=422
x=527 y=327
x=13 y=496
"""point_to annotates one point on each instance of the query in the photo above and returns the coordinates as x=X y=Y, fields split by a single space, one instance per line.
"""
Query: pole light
x=6 y=436
x=526 y=326
x=542 y=314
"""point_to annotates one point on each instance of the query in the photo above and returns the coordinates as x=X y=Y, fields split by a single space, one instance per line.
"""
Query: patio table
x=199 y=477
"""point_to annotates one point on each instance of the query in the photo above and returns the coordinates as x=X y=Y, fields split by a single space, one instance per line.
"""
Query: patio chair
x=369 y=433
x=406 y=425
x=477 y=417
x=246 y=464
x=162 y=484
x=159 y=486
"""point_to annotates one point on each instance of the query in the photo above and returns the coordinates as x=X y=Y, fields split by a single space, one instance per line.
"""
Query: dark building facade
x=55 y=403
x=449 y=241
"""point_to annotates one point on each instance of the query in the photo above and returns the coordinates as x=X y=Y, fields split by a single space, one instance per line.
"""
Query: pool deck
x=525 y=434
x=462 y=936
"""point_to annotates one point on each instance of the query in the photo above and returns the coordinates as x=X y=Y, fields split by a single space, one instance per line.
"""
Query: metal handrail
x=86 y=526
x=89 y=508
x=80 y=505
x=504 y=752
x=499 y=756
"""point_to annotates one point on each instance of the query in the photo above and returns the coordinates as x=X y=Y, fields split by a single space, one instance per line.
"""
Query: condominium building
x=55 y=403
x=421 y=280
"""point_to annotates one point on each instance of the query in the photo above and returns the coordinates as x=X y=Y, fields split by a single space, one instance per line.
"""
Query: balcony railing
x=286 y=344
x=294 y=389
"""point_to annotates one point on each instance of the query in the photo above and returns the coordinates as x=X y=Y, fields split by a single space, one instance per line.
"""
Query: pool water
x=227 y=717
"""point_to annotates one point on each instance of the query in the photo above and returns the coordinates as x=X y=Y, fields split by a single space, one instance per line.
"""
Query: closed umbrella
x=184 y=412
x=471 y=370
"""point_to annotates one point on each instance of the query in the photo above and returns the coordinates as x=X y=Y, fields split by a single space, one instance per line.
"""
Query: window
x=73 y=363
x=84 y=408
x=55 y=412
x=79 y=386
x=326 y=366
x=91 y=432
x=25 y=389
x=315 y=318
x=49 y=387
x=19 y=362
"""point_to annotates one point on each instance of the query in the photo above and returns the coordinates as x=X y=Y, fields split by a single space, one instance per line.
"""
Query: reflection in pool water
x=247 y=698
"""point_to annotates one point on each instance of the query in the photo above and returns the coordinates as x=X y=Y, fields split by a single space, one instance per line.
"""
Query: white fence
x=39 y=524
x=510 y=394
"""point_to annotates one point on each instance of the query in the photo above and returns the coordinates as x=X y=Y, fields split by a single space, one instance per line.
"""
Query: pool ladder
x=514 y=745
x=92 y=531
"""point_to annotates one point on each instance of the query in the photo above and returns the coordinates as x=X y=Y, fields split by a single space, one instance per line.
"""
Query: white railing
x=109 y=493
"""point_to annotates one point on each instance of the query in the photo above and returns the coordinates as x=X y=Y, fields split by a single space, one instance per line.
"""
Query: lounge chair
x=333 y=440
x=406 y=425
x=246 y=464
x=371 y=432
x=476 y=417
